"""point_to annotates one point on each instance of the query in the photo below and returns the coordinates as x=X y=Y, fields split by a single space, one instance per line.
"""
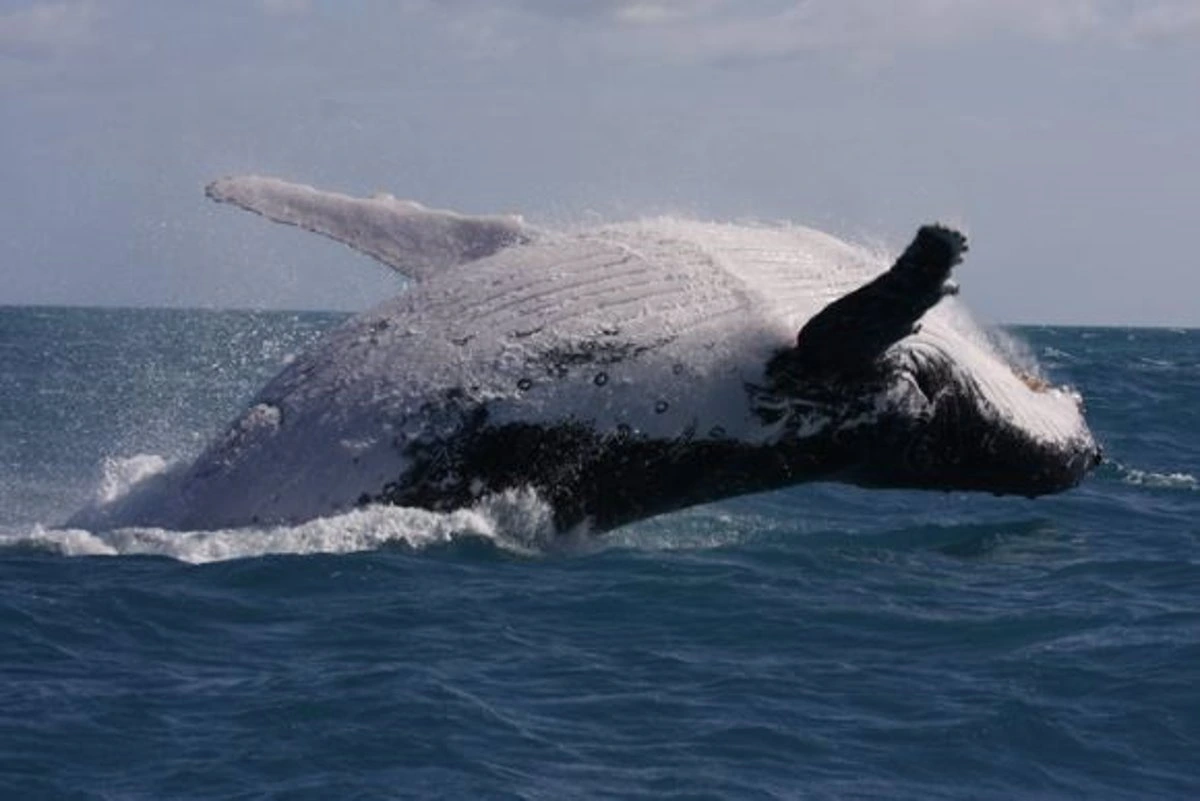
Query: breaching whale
x=622 y=371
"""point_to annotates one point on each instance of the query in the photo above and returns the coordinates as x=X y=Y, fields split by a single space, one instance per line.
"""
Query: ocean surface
x=822 y=642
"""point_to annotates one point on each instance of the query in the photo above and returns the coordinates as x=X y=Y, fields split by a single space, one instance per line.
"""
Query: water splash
x=119 y=475
x=517 y=520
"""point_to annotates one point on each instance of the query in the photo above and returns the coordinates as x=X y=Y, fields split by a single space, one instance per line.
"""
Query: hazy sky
x=1064 y=135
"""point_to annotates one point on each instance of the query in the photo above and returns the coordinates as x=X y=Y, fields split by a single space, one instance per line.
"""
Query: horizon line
x=4 y=306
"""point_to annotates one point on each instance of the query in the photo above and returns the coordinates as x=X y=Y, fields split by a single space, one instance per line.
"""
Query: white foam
x=517 y=521
x=1145 y=478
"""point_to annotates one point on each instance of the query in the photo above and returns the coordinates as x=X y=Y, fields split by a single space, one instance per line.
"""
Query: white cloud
x=47 y=28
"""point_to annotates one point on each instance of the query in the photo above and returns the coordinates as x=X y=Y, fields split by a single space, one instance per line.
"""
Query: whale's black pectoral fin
x=849 y=334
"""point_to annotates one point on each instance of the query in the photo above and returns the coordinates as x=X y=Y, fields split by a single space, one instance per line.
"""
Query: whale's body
x=619 y=371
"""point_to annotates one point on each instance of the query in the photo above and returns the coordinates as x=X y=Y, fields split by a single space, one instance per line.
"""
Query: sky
x=1062 y=135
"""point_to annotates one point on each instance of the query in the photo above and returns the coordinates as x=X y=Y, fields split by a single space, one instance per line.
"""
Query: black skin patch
x=606 y=479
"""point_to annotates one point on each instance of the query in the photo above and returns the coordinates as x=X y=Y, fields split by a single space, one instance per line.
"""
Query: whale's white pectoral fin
x=404 y=235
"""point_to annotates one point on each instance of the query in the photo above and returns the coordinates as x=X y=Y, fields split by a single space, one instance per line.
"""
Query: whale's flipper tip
x=213 y=189
x=852 y=332
x=935 y=250
x=217 y=190
x=241 y=189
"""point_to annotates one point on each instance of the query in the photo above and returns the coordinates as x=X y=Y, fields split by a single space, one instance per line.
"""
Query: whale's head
x=940 y=410
x=957 y=413
x=924 y=398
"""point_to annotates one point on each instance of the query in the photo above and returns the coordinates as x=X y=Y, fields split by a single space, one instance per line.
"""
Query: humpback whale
x=622 y=371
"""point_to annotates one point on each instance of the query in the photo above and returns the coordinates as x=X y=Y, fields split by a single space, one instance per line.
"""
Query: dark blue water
x=822 y=642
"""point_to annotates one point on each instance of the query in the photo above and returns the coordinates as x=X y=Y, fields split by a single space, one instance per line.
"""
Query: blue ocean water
x=821 y=642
